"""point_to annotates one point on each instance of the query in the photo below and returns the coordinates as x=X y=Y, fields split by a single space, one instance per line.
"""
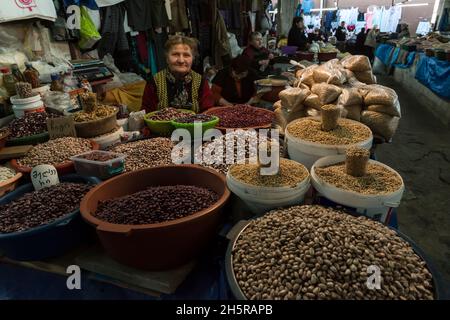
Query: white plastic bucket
x=376 y=207
x=307 y=153
x=22 y=106
x=262 y=199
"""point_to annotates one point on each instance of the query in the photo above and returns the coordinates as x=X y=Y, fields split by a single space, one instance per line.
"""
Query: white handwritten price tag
x=44 y=175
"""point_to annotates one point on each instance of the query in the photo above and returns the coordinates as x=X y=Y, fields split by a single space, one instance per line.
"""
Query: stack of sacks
x=360 y=67
x=290 y=106
x=352 y=102
x=382 y=110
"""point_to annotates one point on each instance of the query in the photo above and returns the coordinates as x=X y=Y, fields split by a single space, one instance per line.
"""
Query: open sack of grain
x=290 y=106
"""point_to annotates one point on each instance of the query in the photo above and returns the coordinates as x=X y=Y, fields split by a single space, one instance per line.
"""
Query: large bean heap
x=311 y=252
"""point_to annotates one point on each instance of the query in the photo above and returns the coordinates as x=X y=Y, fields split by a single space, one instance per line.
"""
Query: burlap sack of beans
x=378 y=94
x=356 y=63
x=381 y=124
x=283 y=117
x=350 y=96
x=299 y=72
x=366 y=77
x=292 y=98
x=313 y=101
x=307 y=76
x=392 y=110
x=279 y=122
x=330 y=72
x=349 y=75
x=353 y=112
x=327 y=92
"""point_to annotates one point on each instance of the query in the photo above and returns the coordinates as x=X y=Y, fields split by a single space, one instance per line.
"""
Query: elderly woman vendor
x=178 y=86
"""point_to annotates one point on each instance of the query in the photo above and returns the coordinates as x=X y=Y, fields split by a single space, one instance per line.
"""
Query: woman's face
x=179 y=59
x=257 y=41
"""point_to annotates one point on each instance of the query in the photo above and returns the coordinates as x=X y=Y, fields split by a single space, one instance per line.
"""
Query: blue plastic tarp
x=435 y=74
x=384 y=53
x=409 y=60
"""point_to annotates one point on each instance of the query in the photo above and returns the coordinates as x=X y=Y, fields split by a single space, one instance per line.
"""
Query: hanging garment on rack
x=360 y=16
x=395 y=17
x=180 y=20
x=107 y=3
x=142 y=48
x=159 y=40
x=236 y=14
x=159 y=15
x=194 y=17
x=307 y=6
x=91 y=4
x=139 y=14
x=221 y=46
x=298 y=11
x=113 y=35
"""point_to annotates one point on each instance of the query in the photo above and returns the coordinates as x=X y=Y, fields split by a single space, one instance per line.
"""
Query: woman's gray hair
x=176 y=40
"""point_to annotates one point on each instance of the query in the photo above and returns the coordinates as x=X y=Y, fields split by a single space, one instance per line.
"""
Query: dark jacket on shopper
x=297 y=38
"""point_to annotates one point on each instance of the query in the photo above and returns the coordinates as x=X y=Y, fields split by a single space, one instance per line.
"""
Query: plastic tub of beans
x=297 y=253
x=157 y=218
x=189 y=122
x=241 y=117
x=42 y=224
x=56 y=152
x=100 y=164
x=373 y=194
x=160 y=122
x=306 y=142
x=8 y=180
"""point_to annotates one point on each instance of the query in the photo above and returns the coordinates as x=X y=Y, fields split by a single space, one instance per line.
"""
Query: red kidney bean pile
x=194 y=118
x=41 y=207
x=98 y=156
x=167 y=114
x=242 y=116
x=156 y=204
x=31 y=123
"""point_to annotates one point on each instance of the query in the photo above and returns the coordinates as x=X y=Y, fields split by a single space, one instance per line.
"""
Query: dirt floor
x=420 y=152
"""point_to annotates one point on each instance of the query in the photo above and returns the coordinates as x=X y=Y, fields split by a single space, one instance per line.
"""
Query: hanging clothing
x=114 y=40
x=164 y=91
x=180 y=20
x=307 y=6
x=298 y=11
x=221 y=45
x=146 y=14
x=107 y=3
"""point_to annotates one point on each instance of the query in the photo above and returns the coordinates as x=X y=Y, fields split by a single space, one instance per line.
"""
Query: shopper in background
x=341 y=37
x=317 y=35
x=235 y=84
x=259 y=56
x=371 y=42
x=178 y=85
x=296 y=36
x=360 y=39
x=404 y=31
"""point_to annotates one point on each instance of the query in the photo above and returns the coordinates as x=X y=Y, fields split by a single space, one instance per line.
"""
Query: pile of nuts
x=156 y=204
x=41 y=207
x=243 y=116
x=347 y=131
x=100 y=112
x=290 y=174
x=194 y=118
x=378 y=179
x=312 y=252
x=6 y=173
x=30 y=124
x=207 y=157
x=167 y=114
x=55 y=151
x=98 y=156
x=146 y=153
x=24 y=90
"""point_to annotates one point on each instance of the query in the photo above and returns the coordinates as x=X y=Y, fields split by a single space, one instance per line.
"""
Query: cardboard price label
x=61 y=127
x=44 y=175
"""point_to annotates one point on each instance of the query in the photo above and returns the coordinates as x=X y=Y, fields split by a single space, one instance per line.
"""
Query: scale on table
x=91 y=70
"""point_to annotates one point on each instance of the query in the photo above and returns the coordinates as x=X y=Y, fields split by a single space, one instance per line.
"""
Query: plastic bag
x=330 y=72
x=311 y=112
x=350 y=96
x=313 y=101
x=378 y=94
x=88 y=31
x=392 y=110
x=366 y=77
x=292 y=98
x=381 y=124
x=327 y=92
x=136 y=121
x=357 y=63
x=307 y=76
